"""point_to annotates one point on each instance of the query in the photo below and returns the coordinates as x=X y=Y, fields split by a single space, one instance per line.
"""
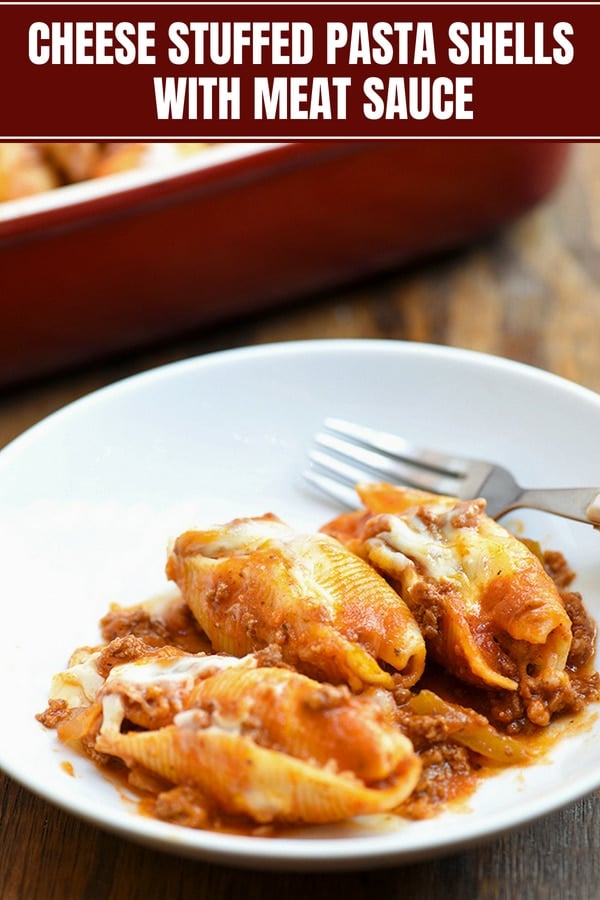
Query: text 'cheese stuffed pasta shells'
x=256 y=582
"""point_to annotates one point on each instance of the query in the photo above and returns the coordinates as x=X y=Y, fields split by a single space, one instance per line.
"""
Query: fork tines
x=347 y=453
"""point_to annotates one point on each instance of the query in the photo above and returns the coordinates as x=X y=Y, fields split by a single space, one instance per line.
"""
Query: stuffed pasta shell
x=256 y=582
x=243 y=739
x=487 y=608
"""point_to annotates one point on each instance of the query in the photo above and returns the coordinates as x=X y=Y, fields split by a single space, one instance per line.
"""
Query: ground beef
x=124 y=650
x=121 y=622
x=558 y=568
x=183 y=805
x=176 y=626
x=55 y=713
x=467 y=514
x=583 y=629
x=427 y=607
x=448 y=773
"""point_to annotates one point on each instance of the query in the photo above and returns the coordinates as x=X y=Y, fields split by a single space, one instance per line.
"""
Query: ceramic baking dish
x=126 y=260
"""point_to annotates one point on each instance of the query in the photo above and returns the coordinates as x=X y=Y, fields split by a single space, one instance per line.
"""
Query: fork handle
x=581 y=504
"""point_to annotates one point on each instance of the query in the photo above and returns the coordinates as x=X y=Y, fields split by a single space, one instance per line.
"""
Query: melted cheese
x=242 y=537
x=255 y=582
x=170 y=672
x=249 y=535
x=79 y=684
x=468 y=557
x=172 y=675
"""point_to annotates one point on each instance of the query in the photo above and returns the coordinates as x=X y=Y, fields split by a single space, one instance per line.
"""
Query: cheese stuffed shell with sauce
x=256 y=582
x=258 y=741
x=489 y=612
x=282 y=681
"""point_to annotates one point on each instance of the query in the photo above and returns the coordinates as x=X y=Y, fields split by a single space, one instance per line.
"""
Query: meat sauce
x=461 y=733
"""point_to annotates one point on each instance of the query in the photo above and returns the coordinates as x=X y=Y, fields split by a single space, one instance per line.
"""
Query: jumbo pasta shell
x=489 y=611
x=255 y=581
x=241 y=777
x=323 y=723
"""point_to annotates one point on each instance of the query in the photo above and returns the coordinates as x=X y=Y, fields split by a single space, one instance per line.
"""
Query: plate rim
x=278 y=348
x=293 y=853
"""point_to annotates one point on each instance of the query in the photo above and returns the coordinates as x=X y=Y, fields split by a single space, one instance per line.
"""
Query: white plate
x=90 y=497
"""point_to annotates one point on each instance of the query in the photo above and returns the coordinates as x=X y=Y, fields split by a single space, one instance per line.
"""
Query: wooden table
x=531 y=293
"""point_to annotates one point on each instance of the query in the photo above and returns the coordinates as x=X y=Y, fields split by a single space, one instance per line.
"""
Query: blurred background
x=494 y=246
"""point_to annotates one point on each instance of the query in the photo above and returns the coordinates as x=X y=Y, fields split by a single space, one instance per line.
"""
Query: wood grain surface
x=529 y=293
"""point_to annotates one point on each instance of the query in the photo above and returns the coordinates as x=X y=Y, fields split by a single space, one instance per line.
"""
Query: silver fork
x=346 y=454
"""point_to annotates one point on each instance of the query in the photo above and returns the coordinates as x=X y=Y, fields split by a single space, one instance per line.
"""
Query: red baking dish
x=122 y=261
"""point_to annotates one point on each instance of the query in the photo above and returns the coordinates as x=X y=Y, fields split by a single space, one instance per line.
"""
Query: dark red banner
x=290 y=71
